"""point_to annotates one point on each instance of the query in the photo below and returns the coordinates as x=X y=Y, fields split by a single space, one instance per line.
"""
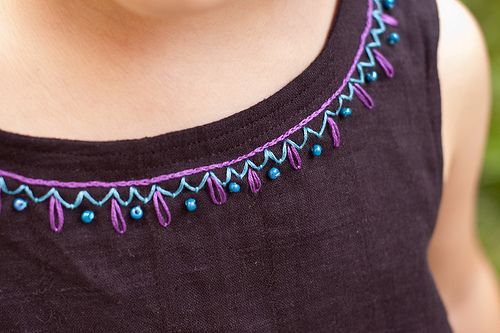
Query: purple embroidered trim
x=117 y=217
x=389 y=20
x=254 y=181
x=384 y=63
x=217 y=192
x=160 y=204
x=294 y=157
x=366 y=99
x=363 y=96
x=215 y=186
x=335 y=132
x=55 y=208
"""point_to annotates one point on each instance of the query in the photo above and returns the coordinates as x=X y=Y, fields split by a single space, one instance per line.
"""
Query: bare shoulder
x=465 y=86
x=463 y=276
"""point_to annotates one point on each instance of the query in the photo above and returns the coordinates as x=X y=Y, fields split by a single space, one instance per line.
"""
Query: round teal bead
x=190 y=204
x=371 y=76
x=393 y=38
x=345 y=112
x=316 y=150
x=136 y=213
x=389 y=4
x=87 y=216
x=273 y=173
x=234 y=187
x=19 y=204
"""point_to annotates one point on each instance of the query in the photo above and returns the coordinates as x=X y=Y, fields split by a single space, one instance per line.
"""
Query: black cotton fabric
x=338 y=246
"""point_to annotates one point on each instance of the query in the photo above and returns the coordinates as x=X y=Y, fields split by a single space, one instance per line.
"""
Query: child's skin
x=463 y=275
x=92 y=70
x=118 y=69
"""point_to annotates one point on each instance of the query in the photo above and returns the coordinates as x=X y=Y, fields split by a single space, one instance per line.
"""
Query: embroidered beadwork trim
x=351 y=86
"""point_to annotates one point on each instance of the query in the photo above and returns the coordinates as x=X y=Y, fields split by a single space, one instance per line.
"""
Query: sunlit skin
x=120 y=69
x=141 y=75
x=463 y=275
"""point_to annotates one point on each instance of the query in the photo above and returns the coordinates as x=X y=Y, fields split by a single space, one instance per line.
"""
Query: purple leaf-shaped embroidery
x=294 y=157
x=254 y=181
x=334 y=129
x=56 y=214
x=217 y=192
x=389 y=20
x=363 y=96
x=161 y=208
x=117 y=217
x=384 y=63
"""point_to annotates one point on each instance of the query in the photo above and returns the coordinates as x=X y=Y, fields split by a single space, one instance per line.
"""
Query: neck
x=96 y=29
x=91 y=59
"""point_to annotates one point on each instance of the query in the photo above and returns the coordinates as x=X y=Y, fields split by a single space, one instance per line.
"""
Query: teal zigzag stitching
x=230 y=171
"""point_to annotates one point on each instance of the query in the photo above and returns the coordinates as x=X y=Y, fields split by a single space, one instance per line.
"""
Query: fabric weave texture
x=337 y=246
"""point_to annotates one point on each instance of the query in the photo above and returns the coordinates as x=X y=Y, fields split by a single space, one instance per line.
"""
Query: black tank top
x=310 y=211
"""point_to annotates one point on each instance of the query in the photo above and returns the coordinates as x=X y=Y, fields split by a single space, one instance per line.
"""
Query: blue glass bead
x=87 y=216
x=371 y=76
x=345 y=112
x=234 y=187
x=393 y=38
x=190 y=204
x=136 y=213
x=389 y=4
x=316 y=150
x=19 y=204
x=273 y=173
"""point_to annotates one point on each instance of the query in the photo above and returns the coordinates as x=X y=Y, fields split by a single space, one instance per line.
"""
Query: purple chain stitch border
x=188 y=172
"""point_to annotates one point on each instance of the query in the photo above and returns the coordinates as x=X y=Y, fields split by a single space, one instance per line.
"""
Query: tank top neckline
x=229 y=137
x=70 y=179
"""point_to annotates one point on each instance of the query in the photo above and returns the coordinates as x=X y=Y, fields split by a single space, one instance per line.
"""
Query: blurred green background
x=487 y=13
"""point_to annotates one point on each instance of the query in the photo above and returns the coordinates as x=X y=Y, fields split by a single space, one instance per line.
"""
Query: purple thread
x=160 y=204
x=117 y=217
x=384 y=63
x=294 y=157
x=335 y=132
x=217 y=192
x=254 y=181
x=363 y=96
x=55 y=207
x=188 y=172
x=389 y=20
